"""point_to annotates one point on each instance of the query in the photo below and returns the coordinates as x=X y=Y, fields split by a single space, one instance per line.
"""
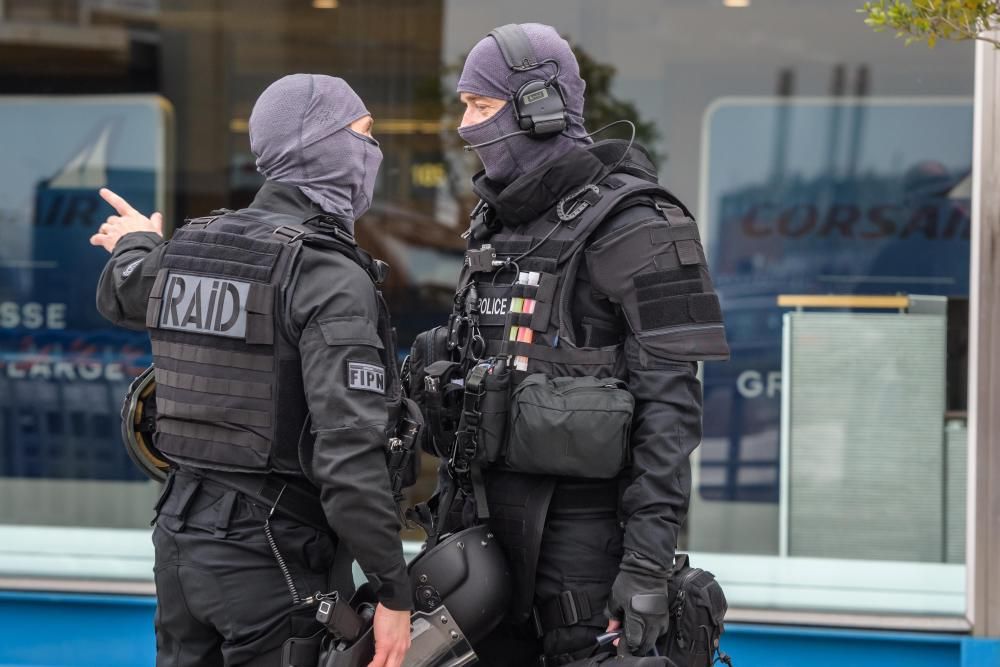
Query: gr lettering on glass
x=205 y=305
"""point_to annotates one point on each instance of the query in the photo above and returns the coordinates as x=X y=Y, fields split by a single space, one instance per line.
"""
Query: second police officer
x=584 y=305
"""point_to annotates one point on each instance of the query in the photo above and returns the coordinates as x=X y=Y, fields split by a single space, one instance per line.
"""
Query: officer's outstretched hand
x=392 y=637
x=127 y=220
x=638 y=603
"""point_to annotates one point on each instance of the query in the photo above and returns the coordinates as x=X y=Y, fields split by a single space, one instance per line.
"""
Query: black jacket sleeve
x=652 y=266
x=125 y=283
x=333 y=312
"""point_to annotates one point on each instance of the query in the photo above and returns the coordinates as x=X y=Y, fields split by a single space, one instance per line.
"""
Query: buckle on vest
x=290 y=234
x=581 y=200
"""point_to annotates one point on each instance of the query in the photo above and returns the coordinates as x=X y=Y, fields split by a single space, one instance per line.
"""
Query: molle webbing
x=244 y=388
x=210 y=356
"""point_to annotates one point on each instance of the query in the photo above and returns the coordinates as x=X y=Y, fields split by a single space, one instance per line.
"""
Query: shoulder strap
x=336 y=239
x=584 y=209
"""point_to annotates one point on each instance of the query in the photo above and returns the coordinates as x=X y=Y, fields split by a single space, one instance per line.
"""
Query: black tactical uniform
x=276 y=388
x=588 y=274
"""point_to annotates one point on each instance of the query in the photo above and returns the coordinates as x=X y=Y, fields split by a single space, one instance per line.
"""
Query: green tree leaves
x=933 y=20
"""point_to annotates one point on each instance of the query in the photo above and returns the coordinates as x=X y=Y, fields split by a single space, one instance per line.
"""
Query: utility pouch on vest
x=697 y=611
x=575 y=427
x=495 y=409
x=435 y=385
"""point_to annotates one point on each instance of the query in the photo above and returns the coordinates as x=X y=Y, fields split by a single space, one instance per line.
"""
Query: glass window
x=821 y=159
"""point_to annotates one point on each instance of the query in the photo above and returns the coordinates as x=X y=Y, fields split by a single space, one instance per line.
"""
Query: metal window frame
x=983 y=502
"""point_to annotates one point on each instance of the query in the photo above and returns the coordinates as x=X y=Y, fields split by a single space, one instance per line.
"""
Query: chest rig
x=516 y=293
x=229 y=392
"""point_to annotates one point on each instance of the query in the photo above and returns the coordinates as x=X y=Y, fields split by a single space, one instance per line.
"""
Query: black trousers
x=580 y=551
x=222 y=600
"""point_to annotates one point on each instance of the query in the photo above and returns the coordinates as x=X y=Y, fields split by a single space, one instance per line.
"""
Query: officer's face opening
x=364 y=125
x=479 y=108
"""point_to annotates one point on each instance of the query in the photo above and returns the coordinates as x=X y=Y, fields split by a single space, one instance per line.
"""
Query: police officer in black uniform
x=276 y=391
x=583 y=275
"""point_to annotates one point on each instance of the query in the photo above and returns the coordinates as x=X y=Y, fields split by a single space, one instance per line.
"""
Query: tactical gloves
x=639 y=600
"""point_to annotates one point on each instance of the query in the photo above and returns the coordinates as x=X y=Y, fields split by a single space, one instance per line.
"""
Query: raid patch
x=365 y=377
x=199 y=304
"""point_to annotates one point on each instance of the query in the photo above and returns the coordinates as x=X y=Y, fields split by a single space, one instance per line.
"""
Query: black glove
x=639 y=600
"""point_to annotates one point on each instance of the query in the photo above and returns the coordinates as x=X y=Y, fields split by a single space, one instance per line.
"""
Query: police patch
x=200 y=304
x=365 y=377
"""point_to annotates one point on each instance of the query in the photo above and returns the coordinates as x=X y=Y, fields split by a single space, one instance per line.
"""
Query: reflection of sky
x=743 y=138
x=39 y=135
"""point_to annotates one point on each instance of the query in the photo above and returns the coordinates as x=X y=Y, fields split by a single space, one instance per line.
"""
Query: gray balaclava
x=300 y=135
x=486 y=73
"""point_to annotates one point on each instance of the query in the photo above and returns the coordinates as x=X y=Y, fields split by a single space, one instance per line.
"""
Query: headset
x=538 y=105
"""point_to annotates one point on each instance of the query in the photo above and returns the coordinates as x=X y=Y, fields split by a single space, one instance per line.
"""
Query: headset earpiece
x=540 y=108
x=538 y=105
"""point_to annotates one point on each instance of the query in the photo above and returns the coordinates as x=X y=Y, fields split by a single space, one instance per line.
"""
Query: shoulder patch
x=127 y=271
x=365 y=377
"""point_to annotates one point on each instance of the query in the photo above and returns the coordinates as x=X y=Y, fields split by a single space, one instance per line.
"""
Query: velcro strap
x=547 y=284
x=676 y=310
x=212 y=413
x=565 y=609
x=687 y=252
x=685 y=231
x=541 y=315
x=207 y=385
x=213 y=356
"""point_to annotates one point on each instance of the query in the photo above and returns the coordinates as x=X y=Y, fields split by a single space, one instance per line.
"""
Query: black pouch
x=438 y=399
x=494 y=407
x=575 y=427
x=428 y=347
x=697 y=611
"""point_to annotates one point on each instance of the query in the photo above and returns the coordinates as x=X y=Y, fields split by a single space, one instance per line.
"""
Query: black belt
x=572 y=497
x=270 y=491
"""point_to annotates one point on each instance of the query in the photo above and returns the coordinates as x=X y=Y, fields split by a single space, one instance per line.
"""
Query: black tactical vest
x=229 y=392
x=533 y=321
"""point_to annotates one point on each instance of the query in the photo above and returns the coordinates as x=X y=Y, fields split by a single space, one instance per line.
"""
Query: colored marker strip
x=525 y=335
x=514 y=331
x=517 y=305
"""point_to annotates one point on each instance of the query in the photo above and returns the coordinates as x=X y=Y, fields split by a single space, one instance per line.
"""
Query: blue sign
x=818 y=197
x=63 y=367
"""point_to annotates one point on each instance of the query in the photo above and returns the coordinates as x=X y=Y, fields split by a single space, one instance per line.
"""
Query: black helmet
x=139 y=424
x=468 y=574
